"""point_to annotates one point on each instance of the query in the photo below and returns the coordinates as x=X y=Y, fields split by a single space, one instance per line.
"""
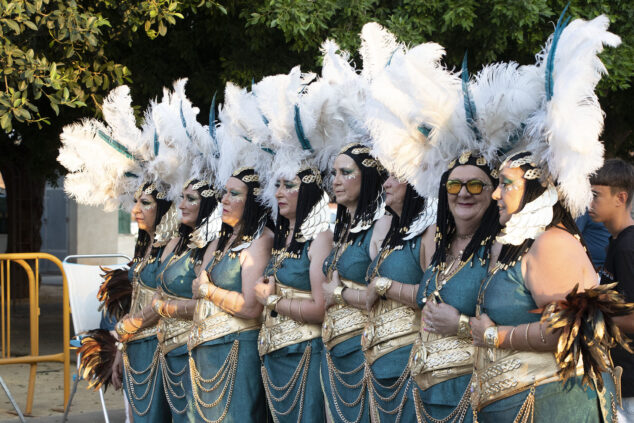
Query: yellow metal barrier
x=34 y=313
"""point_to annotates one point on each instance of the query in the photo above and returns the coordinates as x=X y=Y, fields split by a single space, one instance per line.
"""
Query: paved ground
x=49 y=388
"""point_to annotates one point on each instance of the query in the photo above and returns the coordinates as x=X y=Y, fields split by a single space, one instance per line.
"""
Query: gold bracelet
x=301 y=318
x=541 y=333
x=464 y=328
x=491 y=339
x=272 y=300
x=528 y=344
x=511 y=337
x=413 y=294
x=400 y=290
x=382 y=285
x=358 y=296
x=203 y=290
x=338 y=295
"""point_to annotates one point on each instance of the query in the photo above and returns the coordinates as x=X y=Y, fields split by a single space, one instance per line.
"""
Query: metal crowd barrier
x=34 y=312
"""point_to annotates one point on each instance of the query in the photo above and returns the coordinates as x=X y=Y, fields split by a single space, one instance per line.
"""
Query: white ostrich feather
x=378 y=47
x=564 y=134
x=531 y=220
x=416 y=91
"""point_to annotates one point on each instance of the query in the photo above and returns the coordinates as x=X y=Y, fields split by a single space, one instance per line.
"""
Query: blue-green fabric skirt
x=280 y=366
x=148 y=399
x=441 y=399
x=554 y=402
x=247 y=402
x=177 y=386
x=346 y=357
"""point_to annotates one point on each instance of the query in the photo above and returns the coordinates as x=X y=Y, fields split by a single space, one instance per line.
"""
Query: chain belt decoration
x=281 y=331
x=172 y=332
x=501 y=373
x=437 y=358
x=173 y=379
x=211 y=322
x=141 y=297
x=131 y=379
x=223 y=381
x=391 y=325
x=343 y=321
x=456 y=416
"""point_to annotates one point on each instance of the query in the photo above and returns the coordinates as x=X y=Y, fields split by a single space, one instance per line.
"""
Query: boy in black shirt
x=613 y=189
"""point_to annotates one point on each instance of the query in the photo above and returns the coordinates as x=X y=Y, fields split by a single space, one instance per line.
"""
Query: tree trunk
x=25 y=205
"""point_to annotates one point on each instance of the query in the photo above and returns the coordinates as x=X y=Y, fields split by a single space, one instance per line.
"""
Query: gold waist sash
x=500 y=373
x=343 y=321
x=281 y=331
x=141 y=297
x=211 y=322
x=391 y=325
x=436 y=358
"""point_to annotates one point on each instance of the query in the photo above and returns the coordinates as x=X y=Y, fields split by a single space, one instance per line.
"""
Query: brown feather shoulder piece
x=588 y=330
x=115 y=292
x=98 y=350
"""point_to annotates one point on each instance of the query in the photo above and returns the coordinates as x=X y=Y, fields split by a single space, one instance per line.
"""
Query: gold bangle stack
x=464 y=328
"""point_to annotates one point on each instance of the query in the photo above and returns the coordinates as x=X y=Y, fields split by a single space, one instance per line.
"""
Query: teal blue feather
x=183 y=122
x=299 y=130
x=265 y=149
x=469 y=104
x=156 y=144
x=550 y=62
x=117 y=146
x=425 y=130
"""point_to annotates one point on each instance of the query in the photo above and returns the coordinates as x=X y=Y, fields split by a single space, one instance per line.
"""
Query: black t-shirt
x=619 y=267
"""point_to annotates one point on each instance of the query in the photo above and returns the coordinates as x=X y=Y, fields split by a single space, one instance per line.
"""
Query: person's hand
x=478 y=326
x=371 y=295
x=116 y=378
x=440 y=318
x=329 y=289
x=264 y=288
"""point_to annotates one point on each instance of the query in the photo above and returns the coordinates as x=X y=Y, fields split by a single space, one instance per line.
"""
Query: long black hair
x=310 y=192
x=373 y=175
x=413 y=206
x=533 y=188
x=446 y=225
x=208 y=203
x=162 y=206
x=255 y=214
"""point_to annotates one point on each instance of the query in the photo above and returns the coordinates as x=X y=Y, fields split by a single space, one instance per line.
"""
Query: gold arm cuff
x=464 y=328
x=281 y=331
x=338 y=295
x=391 y=325
x=501 y=373
x=272 y=300
x=141 y=297
x=382 y=285
x=343 y=321
x=436 y=358
x=211 y=322
x=491 y=338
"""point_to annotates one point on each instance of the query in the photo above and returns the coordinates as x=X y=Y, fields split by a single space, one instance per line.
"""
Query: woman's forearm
x=403 y=293
x=180 y=309
x=302 y=310
x=233 y=303
x=528 y=337
x=355 y=297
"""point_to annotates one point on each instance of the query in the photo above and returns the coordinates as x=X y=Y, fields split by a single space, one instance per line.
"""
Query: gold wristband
x=491 y=337
x=120 y=329
x=382 y=285
x=271 y=301
x=203 y=290
x=338 y=295
x=464 y=328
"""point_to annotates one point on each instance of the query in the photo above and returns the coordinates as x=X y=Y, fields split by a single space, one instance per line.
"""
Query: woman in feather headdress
x=290 y=342
x=521 y=362
x=223 y=352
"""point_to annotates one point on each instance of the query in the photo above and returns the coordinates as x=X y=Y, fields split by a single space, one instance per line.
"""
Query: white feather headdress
x=564 y=133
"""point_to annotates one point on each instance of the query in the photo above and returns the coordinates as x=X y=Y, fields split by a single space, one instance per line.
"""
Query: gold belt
x=436 y=358
x=281 y=331
x=500 y=373
x=211 y=322
x=172 y=332
x=343 y=321
x=141 y=297
x=391 y=325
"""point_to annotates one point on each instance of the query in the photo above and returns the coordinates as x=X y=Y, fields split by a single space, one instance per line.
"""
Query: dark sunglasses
x=474 y=186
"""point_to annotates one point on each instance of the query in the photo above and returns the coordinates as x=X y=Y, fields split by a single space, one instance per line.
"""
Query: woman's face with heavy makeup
x=465 y=206
x=189 y=206
x=395 y=194
x=509 y=192
x=286 y=196
x=233 y=201
x=347 y=182
x=144 y=212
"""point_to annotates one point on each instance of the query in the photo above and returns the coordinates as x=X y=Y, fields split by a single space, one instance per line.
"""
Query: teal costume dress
x=554 y=401
x=441 y=396
x=347 y=358
x=176 y=276
x=301 y=401
x=390 y=373
x=228 y=386
x=142 y=376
